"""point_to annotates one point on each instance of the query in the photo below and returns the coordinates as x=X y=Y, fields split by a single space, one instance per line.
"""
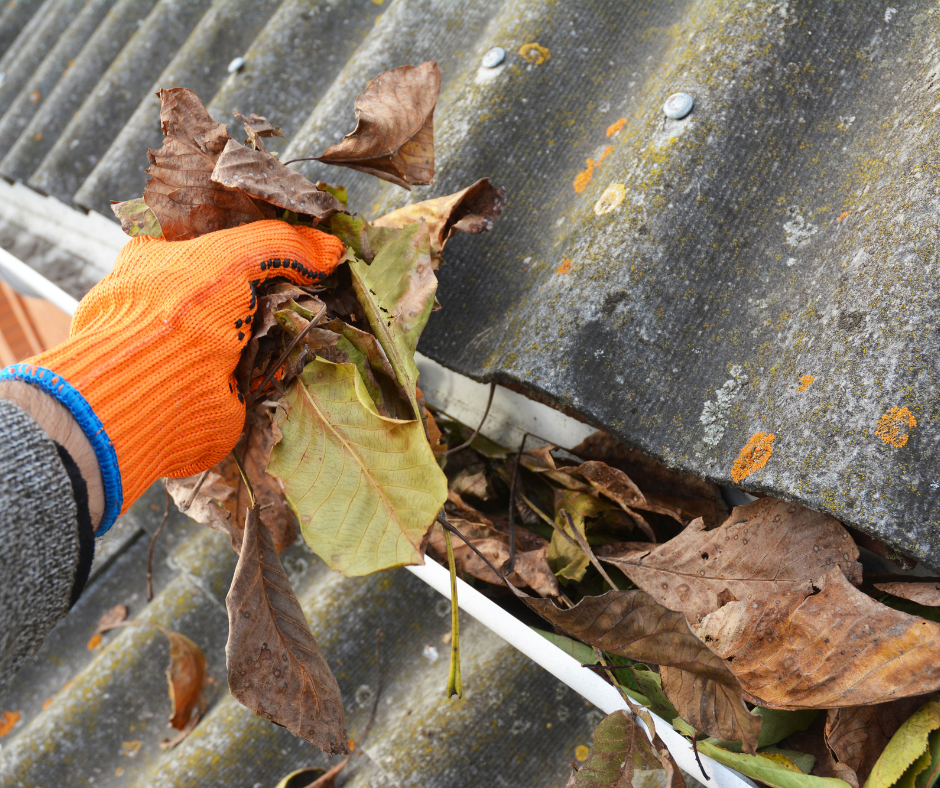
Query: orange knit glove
x=148 y=369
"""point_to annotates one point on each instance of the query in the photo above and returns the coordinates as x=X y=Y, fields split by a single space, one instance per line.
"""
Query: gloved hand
x=148 y=369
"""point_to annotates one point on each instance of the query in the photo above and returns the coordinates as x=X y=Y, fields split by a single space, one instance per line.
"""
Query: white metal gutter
x=97 y=240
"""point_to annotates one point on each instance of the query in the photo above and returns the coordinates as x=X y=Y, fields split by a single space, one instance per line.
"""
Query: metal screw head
x=678 y=105
x=494 y=57
x=236 y=64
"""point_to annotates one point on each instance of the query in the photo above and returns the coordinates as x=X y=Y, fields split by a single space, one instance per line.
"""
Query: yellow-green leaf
x=931 y=774
x=769 y=770
x=136 y=218
x=567 y=560
x=906 y=749
x=366 y=488
x=397 y=294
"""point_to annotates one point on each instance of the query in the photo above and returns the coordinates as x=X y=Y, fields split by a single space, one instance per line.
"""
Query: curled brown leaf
x=927 y=594
x=531 y=567
x=185 y=677
x=394 y=137
x=257 y=127
x=471 y=210
x=181 y=193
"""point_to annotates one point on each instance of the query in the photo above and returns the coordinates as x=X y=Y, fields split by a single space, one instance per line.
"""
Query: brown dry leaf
x=185 y=678
x=264 y=320
x=257 y=127
x=467 y=512
x=531 y=567
x=858 y=735
x=223 y=501
x=275 y=666
x=180 y=191
x=764 y=549
x=394 y=137
x=259 y=174
x=812 y=741
x=688 y=495
x=927 y=594
x=696 y=681
x=471 y=210
x=473 y=481
x=111 y=618
x=828 y=649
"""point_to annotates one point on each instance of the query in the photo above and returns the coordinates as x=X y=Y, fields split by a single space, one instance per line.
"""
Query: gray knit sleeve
x=39 y=538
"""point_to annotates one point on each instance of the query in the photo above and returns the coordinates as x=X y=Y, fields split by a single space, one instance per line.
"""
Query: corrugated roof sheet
x=675 y=281
x=766 y=264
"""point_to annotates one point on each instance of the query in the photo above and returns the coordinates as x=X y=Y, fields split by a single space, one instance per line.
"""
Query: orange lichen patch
x=565 y=267
x=844 y=214
x=94 y=642
x=805 y=382
x=10 y=718
x=536 y=54
x=604 y=155
x=47 y=704
x=613 y=128
x=583 y=178
x=581 y=752
x=35 y=96
x=892 y=426
x=753 y=456
x=352 y=745
x=131 y=748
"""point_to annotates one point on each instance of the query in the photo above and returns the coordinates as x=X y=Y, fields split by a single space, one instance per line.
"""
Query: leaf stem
x=153 y=542
x=476 y=432
x=241 y=470
x=453 y=679
x=588 y=551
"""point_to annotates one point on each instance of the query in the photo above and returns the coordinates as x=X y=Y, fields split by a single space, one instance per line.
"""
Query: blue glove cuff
x=61 y=390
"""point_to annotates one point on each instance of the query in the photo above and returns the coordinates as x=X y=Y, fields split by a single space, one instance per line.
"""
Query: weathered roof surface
x=96 y=717
x=675 y=287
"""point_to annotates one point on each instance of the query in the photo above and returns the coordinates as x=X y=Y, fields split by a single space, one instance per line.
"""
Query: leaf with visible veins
x=394 y=137
x=696 y=681
x=829 y=647
x=857 y=735
x=367 y=488
x=181 y=193
x=275 y=666
x=397 y=293
x=259 y=174
x=764 y=549
x=620 y=748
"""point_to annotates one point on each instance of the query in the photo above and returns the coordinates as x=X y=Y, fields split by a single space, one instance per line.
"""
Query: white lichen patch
x=798 y=230
x=715 y=412
x=611 y=198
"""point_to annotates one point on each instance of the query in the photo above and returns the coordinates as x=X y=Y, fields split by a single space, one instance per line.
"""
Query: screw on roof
x=494 y=57
x=678 y=105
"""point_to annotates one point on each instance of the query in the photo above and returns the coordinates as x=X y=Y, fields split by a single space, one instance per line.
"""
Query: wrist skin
x=59 y=424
